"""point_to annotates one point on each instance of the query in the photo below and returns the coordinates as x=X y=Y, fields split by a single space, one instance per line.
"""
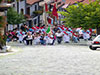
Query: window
x=13 y=5
x=22 y=11
x=35 y=7
x=28 y=10
x=35 y=22
x=21 y=0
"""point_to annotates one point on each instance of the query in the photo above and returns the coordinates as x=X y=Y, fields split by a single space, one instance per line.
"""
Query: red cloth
x=50 y=37
x=66 y=28
x=54 y=12
x=90 y=29
x=41 y=27
x=13 y=33
x=55 y=0
x=62 y=28
x=46 y=7
x=63 y=25
x=21 y=33
x=74 y=34
x=37 y=27
x=33 y=28
x=44 y=32
x=49 y=20
x=65 y=32
x=71 y=31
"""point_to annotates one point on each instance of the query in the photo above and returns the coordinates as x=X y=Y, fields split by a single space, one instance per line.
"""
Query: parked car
x=95 y=43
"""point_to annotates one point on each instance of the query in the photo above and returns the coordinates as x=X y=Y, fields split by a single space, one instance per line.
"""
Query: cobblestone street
x=51 y=60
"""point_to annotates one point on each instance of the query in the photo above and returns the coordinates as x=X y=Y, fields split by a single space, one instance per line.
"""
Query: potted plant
x=9 y=1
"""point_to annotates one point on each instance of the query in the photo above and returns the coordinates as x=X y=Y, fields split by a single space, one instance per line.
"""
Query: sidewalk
x=15 y=46
x=81 y=43
x=11 y=51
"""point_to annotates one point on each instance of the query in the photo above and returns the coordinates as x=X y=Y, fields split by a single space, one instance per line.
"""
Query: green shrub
x=38 y=12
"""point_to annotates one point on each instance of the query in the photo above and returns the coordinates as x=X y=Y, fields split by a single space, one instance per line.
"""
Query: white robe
x=50 y=40
x=84 y=35
x=20 y=37
x=36 y=40
x=47 y=39
x=88 y=36
x=66 y=38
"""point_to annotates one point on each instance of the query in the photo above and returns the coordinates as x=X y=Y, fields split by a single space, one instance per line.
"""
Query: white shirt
x=59 y=34
x=29 y=37
x=66 y=38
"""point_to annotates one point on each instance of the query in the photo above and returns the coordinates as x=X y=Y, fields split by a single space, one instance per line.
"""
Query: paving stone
x=65 y=59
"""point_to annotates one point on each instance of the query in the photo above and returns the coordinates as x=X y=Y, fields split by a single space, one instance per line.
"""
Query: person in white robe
x=36 y=39
x=50 y=39
x=85 y=36
x=88 y=35
x=66 y=38
x=20 y=36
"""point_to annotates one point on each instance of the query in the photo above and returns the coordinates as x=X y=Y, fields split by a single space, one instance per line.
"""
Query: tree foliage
x=14 y=18
x=83 y=15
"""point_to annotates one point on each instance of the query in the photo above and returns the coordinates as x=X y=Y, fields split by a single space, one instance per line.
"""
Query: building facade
x=32 y=9
x=28 y=8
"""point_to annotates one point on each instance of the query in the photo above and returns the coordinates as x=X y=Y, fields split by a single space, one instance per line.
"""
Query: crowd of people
x=39 y=35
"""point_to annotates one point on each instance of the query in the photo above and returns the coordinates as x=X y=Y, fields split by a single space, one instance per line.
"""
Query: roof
x=72 y=1
x=56 y=2
x=87 y=1
x=31 y=1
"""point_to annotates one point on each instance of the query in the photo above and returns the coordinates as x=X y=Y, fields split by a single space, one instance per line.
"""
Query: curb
x=13 y=51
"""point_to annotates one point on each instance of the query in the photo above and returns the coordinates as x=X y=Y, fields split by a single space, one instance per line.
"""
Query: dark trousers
x=59 y=40
x=29 y=42
x=53 y=42
x=43 y=42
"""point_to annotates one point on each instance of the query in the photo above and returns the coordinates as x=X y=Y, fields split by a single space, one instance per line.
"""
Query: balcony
x=4 y=6
x=9 y=1
x=37 y=13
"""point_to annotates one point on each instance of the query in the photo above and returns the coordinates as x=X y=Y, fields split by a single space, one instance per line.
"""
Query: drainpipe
x=18 y=6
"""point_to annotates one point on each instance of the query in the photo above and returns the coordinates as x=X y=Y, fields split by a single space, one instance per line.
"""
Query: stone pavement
x=63 y=59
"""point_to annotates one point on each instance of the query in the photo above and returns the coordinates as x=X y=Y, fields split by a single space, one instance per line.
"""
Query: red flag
x=46 y=7
x=54 y=12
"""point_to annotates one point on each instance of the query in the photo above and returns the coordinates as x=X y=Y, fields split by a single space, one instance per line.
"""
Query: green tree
x=14 y=18
x=83 y=15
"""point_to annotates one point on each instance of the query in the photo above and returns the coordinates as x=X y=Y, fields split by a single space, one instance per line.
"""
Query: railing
x=9 y=1
x=37 y=13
